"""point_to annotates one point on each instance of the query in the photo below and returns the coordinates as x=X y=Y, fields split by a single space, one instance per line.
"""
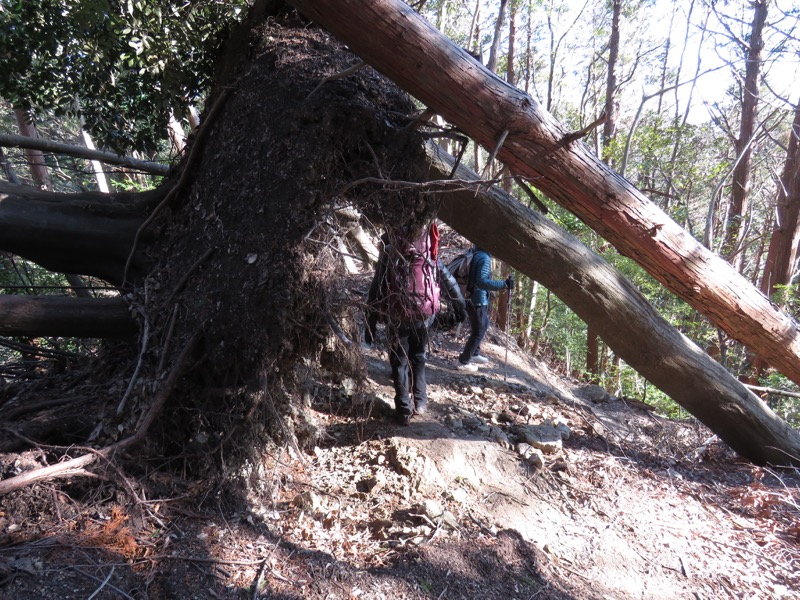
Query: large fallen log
x=397 y=41
x=604 y=299
x=83 y=233
x=35 y=316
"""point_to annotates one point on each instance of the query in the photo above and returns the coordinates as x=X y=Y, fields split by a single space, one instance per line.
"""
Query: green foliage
x=786 y=407
x=127 y=63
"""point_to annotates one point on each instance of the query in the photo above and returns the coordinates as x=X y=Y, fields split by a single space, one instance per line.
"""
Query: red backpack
x=412 y=278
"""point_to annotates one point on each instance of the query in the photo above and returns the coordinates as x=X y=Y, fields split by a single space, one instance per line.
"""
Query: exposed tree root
x=77 y=466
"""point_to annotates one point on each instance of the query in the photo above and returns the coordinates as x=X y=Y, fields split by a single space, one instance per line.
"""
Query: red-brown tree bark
x=782 y=252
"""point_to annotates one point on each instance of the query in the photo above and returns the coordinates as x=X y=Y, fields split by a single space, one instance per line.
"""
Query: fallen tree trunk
x=397 y=41
x=607 y=301
x=34 y=316
x=85 y=234
x=21 y=141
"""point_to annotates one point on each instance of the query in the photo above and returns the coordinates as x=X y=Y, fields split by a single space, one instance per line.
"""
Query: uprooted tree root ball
x=259 y=235
x=247 y=309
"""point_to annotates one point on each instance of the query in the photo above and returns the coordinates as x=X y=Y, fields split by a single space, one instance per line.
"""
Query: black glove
x=510 y=282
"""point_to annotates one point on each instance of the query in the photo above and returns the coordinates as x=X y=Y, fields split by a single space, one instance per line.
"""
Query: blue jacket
x=480 y=282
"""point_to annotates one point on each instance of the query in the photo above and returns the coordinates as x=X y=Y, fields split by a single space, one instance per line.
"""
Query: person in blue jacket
x=479 y=285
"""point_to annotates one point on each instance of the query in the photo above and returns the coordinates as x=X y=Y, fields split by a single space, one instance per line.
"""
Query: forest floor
x=630 y=506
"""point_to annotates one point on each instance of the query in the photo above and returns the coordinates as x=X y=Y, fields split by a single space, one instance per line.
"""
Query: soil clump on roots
x=247 y=307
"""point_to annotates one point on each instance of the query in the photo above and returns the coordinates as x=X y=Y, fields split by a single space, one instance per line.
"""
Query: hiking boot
x=421 y=409
x=466 y=367
x=479 y=359
x=401 y=419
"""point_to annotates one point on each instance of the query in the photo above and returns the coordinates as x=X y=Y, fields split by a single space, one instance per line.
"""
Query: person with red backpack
x=405 y=293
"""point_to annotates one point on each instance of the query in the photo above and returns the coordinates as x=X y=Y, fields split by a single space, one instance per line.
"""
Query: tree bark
x=782 y=253
x=740 y=188
x=86 y=234
x=34 y=156
x=408 y=50
x=604 y=299
x=35 y=316
x=19 y=141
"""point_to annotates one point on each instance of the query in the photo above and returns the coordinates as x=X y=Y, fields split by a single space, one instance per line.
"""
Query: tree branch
x=19 y=141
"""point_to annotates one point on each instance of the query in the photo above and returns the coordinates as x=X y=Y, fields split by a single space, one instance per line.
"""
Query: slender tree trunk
x=35 y=158
x=593 y=363
x=494 y=52
x=782 y=253
x=610 y=125
x=540 y=149
x=740 y=190
x=99 y=173
x=8 y=168
x=18 y=141
x=502 y=301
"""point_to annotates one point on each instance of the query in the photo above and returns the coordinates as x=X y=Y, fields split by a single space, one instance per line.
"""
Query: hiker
x=479 y=287
x=407 y=327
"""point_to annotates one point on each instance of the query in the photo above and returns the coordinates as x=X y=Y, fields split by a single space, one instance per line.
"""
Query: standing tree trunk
x=593 y=363
x=408 y=49
x=35 y=158
x=494 y=51
x=781 y=263
x=740 y=189
x=782 y=253
x=501 y=316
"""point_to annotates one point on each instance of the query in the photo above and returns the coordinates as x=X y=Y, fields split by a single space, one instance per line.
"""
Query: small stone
x=430 y=508
x=459 y=495
x=544 y=437
x=308 y=501
x=371 y=485
x=499 y=436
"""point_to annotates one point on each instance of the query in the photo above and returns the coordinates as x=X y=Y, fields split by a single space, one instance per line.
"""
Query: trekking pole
x=508 y=321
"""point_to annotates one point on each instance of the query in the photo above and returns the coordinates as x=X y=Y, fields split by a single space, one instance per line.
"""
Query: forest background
x=691 y=100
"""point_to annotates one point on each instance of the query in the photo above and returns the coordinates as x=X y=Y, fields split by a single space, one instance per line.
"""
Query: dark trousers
x=407 y=358
x=479 y=323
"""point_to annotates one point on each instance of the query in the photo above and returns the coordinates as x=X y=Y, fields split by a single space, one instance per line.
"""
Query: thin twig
x=148 y=418
x=457 y=184
x=500 y=141
x=349 y=71
x=75 y=466
x=172 y=318
x=135 y=376
x=529 y=192
x=188 y=274
x=102 y=585
x=571 y=137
